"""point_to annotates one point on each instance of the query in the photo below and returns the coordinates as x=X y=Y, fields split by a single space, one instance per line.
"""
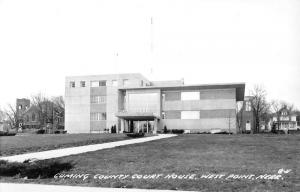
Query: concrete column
x=138 y=127
x=147 y=126
x=155 y=126
x=122 y=125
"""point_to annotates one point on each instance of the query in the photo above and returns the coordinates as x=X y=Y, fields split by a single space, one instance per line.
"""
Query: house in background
x=132 y=103
x=284 y=120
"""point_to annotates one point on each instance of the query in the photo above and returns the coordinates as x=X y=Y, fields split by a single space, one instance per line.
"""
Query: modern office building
x=130 y=103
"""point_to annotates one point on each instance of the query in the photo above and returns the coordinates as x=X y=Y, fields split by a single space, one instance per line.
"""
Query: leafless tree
x=3 y=115
x=259 y=105
x=12 y=115
x=239 y=115
x=58 y=109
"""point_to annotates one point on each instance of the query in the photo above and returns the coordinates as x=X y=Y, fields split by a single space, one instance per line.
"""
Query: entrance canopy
x=137 y=116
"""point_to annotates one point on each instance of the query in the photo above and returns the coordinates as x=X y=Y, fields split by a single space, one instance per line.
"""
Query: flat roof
x=137 y=116
x=240 y=88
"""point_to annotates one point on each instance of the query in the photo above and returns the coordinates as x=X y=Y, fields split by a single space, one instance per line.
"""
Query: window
x=98 y=116
x=142 y=83
x=248 y=106
x=72 y=84
x=125 y=82
x=27 y=118
x=94 y=83
x=143 y=102
x=82 y=83
x=190 y=114
x=114 y=83
x=163 y=115
x=33 y=117
x=102 y=83
x=98 y=99
x=190 y=96
x=20 y=107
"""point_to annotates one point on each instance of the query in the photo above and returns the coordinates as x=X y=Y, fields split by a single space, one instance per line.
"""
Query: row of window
x=98 y=116
x=186 y=115
x=103 y=83
x=184 y=96
x=98 y=99
x=32 y=117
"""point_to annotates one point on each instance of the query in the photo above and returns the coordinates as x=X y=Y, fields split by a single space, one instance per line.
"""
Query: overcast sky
x=254 y=41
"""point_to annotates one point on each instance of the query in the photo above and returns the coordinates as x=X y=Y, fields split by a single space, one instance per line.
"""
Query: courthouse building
x=132 y=103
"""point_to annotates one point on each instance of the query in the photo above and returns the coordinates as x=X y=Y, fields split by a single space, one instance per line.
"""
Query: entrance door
x=248 y=126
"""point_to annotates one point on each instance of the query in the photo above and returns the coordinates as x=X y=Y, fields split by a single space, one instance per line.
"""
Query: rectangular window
x=98 y=99
x=248 y=106
x=72 y=84
x=125 y=82
x=102 y=83
x=82 y=83
x=98 y=116
x=190 y=114
x=190 y=96
x=114 y=83
x=94 y=83
x=143 y=102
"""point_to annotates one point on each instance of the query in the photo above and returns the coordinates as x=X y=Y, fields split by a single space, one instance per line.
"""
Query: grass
x=11 y=145
x=192 y=154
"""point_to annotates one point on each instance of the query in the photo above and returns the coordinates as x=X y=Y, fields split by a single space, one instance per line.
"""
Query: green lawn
x=11 y=145
x=192 y=154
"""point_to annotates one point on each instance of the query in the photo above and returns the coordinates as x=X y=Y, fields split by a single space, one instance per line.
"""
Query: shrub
x=38 y=169
x=135 y=134
x=40 y=131
x=2 y=133
x=165 y=129
x=177 y=131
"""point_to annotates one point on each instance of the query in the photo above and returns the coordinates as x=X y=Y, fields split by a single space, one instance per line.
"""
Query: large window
x=143 y=102
x=125 y=82
x=98 y=116
x=98 y=83
x=98 y=99
x=190 y=96
x=114 y=83
x=72 y=84
x=82 y=83
x=248 y=106
x=190 y=114
x=94 y=83
x=33 y=117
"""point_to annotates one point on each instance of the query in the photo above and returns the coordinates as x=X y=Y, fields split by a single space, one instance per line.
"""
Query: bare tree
x=45 y=108
x=239 y=115
x=3 y=115
x=12 y=115
x=58 y=109
x=259 y=105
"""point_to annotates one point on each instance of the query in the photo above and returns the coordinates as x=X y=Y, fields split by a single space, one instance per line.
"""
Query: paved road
x=81 y=149
x=14 y=187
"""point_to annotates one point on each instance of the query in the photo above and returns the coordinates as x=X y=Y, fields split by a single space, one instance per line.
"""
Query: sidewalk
x=81 y=149
x=16 y=187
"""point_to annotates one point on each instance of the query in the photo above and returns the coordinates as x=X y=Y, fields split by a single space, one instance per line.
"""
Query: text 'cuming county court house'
x=120 y=103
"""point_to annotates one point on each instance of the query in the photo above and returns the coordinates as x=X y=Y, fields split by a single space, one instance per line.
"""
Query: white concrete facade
x=134 y=94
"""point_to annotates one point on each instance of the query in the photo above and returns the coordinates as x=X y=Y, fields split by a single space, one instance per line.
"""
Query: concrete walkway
x=81 y=149
x=16 y=187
